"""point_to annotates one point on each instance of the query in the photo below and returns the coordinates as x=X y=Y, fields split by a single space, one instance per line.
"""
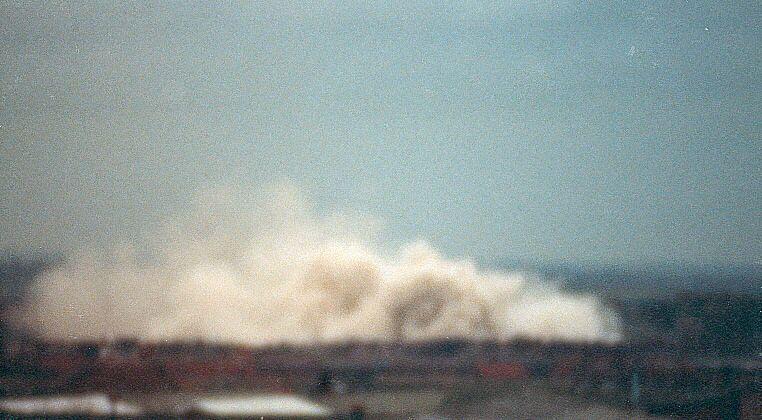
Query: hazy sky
x=542 y=130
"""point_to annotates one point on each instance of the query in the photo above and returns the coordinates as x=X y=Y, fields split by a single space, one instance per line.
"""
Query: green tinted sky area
x=543 y=130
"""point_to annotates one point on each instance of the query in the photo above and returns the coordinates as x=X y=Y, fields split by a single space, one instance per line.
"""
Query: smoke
x=265 y=269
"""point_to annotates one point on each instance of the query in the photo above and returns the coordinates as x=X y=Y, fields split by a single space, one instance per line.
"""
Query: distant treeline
x=648 y=280
x=710 y=323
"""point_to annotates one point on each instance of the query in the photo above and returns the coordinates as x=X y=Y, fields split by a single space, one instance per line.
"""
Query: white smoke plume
x=269 y=271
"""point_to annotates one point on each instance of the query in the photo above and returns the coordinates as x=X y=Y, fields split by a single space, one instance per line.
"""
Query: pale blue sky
x=534 y=130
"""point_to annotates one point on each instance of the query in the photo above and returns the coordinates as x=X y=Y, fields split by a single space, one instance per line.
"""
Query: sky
x=540 y=130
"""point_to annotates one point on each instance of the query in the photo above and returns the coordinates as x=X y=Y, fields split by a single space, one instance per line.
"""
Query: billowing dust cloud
x=269 y=271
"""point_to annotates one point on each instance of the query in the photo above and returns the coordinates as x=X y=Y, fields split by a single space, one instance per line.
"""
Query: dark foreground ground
x=519 y=400
x=438 y=379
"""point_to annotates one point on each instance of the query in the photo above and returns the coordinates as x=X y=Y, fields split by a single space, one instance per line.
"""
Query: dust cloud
x=265 y=269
